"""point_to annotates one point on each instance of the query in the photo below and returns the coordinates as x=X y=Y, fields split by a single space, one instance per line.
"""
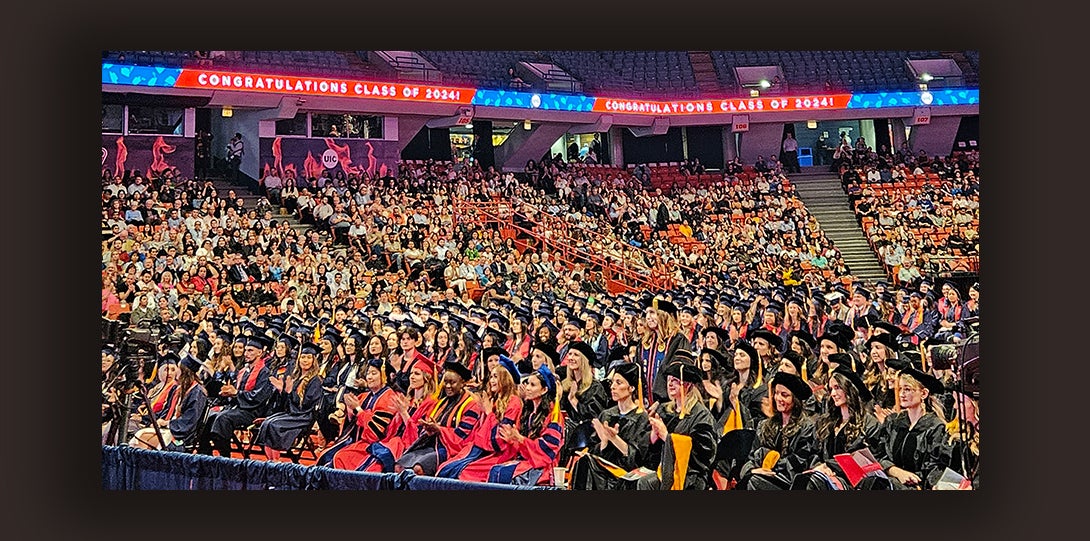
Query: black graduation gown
x=796 y=455
x=837 y=443
x=280 y=430
x=699 y=424
x=635 y=430
x=921 y=449
x=578 y=430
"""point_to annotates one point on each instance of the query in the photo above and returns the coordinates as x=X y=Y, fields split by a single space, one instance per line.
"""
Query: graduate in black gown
x=785 y=444
x=582 y=398
x=846 y=426
x=915 y=450
x=621 y=435
x=681 y=428
x=279 y=431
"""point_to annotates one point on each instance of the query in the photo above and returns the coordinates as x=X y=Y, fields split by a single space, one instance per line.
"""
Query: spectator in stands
x=791 y=154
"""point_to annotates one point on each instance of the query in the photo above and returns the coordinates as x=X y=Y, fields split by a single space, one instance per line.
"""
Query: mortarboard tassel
x=804 y=376
x=681 y=378
x=639 y=391
x=760 y=372
x=923 y=357
x=556 y=406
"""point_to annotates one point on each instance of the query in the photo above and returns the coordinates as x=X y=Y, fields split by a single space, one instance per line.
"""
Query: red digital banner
x=321 y=86
x=731 y=105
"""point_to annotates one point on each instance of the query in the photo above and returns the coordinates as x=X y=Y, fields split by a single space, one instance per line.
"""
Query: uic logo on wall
x=329 y=159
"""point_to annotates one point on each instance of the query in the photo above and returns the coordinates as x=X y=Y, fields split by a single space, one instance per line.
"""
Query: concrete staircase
x=249 y=201
x=825 y=199
x=704 y=71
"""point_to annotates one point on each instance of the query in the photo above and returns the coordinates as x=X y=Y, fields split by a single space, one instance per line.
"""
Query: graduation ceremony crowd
x=395 y=334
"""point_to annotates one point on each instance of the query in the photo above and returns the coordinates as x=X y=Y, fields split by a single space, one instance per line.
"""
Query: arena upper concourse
x=573 y=270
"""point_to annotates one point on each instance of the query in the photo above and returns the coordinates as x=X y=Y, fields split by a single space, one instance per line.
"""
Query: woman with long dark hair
x=370 y=417
x=846 y=427
x=785 y=443
x=539 y=436
x=182 y=416
x=303 y=398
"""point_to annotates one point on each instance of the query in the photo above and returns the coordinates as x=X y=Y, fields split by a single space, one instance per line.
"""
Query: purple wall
x=147 y=153
x=312 y=156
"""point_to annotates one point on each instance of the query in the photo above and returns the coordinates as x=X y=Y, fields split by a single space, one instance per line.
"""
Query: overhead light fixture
x=926 y=77
x=753 y=93
x=765 y=84
x=227 y=112
x=812 y=124
x=469 y=126
x=526 y=124
x=926 y=97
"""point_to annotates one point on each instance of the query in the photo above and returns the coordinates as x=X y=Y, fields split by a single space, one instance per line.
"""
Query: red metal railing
x=619 y=274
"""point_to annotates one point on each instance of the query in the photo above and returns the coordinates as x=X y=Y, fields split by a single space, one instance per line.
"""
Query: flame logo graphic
x=122 y=155
x=158 y=150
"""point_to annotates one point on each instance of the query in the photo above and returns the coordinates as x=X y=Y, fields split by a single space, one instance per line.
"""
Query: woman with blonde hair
x=915 y=452
x=683 y=432
x=582 y=398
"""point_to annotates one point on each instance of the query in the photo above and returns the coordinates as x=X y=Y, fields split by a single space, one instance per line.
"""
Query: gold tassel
x=639 y=392
x=804 y=377
x=556 y=405
x=923 y=357
x=760 y=372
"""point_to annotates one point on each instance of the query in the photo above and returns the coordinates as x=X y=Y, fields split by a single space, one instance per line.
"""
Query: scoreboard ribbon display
x=164 y=77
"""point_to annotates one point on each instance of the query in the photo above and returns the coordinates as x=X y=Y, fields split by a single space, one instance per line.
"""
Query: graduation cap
x=168 y=358
x=717 y=357
x=754 y=358
x=332 y=335
x=487 y=353
x=888 y=327
x=887 y=296
x=584 y=349
x=288 y=340
x=499 y=319
x=507 y=364
x=803 y=335
x=794 y=383
x=592 y=316
x=239 y=339
x=684 y=368
x=548 y=350
x=576 y=322
x=258 y=341
x=768 y=336
x=458 y=368
x=886 y=339
x=865 y=321
x=795 y=359
x=722 y=334
x=845 y=360
x=660 y=304
x=190 y=363
x=630 y=372
x=931 y=383
x=839 y=334
x=548 y=377
x=857 y=382
x=616 y=353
